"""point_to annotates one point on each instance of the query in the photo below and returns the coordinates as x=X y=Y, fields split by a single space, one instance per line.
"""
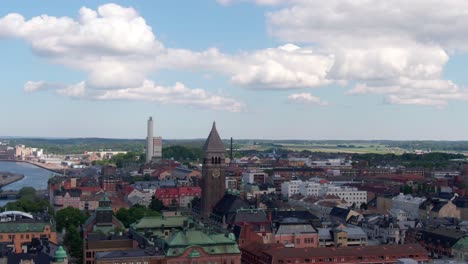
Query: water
x=34 y=176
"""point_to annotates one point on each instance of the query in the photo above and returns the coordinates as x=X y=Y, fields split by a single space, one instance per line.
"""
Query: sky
x=262 y=69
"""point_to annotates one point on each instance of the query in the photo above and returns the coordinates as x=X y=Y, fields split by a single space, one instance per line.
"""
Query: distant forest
x=79 y=145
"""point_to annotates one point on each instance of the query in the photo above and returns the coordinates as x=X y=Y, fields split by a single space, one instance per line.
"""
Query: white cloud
x=114 y=45
x=393 y=48
x=258 y=2
x=31 y=86
x=284 y=67
x=306 y=98
x=178 y=94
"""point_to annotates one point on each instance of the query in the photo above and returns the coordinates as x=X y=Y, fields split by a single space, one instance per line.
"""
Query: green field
x=351 y=148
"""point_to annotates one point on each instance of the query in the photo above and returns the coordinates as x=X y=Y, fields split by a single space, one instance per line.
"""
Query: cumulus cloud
x=258 y=2
x=113 y=45
x=177 y=94
x=306 y=98
x=285 y=67
x=394 y=48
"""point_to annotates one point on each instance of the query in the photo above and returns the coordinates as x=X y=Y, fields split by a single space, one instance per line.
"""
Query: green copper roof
x=194 y=253
x=105 y=198
x=60 y=254
x=462 y=244
x=182 y=241
x=156 y=222
x=15 y=227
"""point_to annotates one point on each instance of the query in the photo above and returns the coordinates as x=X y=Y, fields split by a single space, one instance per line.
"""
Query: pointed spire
x=214 y=142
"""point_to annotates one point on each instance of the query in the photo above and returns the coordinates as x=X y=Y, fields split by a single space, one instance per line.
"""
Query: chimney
x=231 y=156
x=149 y=141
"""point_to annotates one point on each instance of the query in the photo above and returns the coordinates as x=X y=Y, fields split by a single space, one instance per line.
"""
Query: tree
x=195 y=200
x=74 y=242
x=68 y=217
x=363 y=206
x=135 y=213
x=27 y=191
x=156 y=205
x=29 y=202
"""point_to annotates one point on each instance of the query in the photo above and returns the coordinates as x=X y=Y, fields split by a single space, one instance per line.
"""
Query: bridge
x=9 y=195
x=14 y=194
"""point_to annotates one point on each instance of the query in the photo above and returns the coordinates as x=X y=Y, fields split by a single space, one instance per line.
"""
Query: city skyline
x=262 y=69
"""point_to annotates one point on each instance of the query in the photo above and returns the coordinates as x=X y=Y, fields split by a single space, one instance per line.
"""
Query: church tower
x=212 y=181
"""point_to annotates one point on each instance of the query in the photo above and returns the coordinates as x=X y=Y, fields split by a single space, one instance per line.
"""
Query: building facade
x=213 y=180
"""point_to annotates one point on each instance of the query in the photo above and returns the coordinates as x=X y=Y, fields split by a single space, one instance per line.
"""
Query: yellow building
x=18 y=228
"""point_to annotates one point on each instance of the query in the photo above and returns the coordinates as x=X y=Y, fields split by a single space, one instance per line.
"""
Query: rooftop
x=214 y=143
x=132 y=253
x=211 y=243
x=151 y=222
x=407 y=249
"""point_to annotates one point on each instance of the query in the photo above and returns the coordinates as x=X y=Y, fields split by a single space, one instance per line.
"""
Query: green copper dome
x=60 y=254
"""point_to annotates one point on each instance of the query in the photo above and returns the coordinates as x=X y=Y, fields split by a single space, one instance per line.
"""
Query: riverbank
x=9 y=178
x=38 y=164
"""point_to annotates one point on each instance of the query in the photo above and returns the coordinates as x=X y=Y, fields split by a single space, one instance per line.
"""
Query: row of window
x=132 y=262
x=24 y=236
x=225 y=261
x=308 y=240
x=360 y=258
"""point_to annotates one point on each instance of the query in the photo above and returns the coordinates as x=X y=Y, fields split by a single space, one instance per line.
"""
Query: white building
x=350 y=194
x=313 y=188
x=290 y=188
x=310 y=189
x=331 y=163
x=254 y=176
x=408 y=203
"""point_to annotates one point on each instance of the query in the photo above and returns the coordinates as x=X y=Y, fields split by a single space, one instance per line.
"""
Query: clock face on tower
x=216 y=173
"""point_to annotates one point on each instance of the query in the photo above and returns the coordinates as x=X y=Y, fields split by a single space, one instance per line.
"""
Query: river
x=34 y=176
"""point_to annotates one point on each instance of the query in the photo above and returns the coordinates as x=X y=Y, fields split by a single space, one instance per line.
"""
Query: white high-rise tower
x=149 y=141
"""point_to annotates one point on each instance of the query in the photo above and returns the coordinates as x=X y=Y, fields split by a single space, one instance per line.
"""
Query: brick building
x=110 y=183
x=97 y=230
x=190 y=246
x=277 y=254
x=177 y=196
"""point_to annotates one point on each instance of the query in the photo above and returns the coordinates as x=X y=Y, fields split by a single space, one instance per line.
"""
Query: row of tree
x=429 y=160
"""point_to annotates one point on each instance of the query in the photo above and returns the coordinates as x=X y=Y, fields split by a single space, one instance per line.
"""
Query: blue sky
x=266 y=69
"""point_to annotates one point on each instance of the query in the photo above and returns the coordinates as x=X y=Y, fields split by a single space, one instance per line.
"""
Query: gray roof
x=214 y=143
x=119 y=254
x=250 y=215
x=295 y=229
x=324 y=233
x=352 y=231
